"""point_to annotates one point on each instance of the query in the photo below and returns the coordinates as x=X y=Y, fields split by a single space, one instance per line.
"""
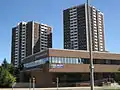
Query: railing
x=21 y=85
x=87 y=83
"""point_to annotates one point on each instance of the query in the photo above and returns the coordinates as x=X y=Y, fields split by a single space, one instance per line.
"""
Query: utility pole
x=30 y=83
x=90 y=47
x=57 y=82
x=33 y=83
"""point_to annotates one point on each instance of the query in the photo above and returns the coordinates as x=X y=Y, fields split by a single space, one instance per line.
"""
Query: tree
x=5 y=63
x=8 y=66
x=117 y=77
x=6 y=78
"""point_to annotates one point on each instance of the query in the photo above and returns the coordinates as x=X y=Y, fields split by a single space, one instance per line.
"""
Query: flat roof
x=74 y=53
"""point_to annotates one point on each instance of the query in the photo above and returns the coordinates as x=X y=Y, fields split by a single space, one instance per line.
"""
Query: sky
x=51 y=12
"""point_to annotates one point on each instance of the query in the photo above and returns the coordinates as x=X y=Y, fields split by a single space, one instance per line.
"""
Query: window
x=101 y=43
x=95 y=33
x=79 y=60
x=100 y=32
x=55 y=58
x=59 y=60
x=99 y=18
x=94 y=24
x=94 y=10
x=100 y=35
x=100 y=27
x=94 y=15
x=70 y=60
x=76 y=60
x=63 y=59
x=94 y=18
x=96 y=48
x=73 y=60
x=101 y=46
x=96 y=42
x=100 y=24
x=95 y=30
x=95 y=39
x=50 y=60
x=96 y=45
x=95 y=27
x=101 y=38
x=101 y=49
x=67 y=60
x=94 y=21
x=95 y=36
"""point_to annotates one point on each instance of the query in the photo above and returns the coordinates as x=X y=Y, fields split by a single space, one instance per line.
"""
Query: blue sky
x=50 y=12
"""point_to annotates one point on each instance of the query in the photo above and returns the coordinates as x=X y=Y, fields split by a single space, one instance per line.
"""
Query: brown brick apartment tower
x=29 y=38
x=75 y=28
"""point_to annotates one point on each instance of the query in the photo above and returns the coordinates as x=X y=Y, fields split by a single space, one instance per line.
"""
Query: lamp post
x=57 y=79
x=30 y=84
x=90 y=47
x=33 y=83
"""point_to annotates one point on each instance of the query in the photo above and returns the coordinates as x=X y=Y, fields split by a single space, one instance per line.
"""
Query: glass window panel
x=67 y=60
x=42 y=61
x=79 y=60
x=82 y=60
x=50 y=60
x=73 y=59
x=59 y=60
x=53 y=58
x=56 y=59
x=70 y=60
x=63 y=59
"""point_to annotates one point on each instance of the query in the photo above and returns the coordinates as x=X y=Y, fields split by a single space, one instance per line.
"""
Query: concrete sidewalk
x=61 y=88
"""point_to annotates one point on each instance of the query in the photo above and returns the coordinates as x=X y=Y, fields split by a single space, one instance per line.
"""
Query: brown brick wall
x=83 y=54
x=85 y=68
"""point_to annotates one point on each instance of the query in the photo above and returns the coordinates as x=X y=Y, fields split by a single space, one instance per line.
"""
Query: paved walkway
x=66 y=88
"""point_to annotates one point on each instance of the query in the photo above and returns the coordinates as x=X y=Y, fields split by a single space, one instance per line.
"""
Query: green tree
x=8 y=66
x=117 y=77
x=5 y=63
x=6 y=78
